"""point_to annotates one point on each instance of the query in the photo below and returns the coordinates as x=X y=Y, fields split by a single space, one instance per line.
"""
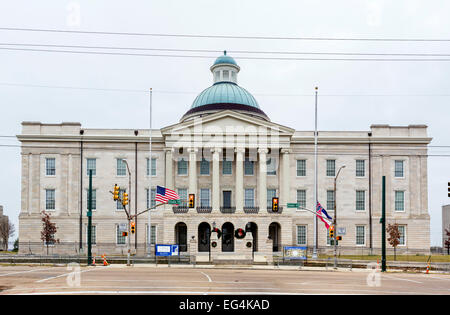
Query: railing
x=228 y=209
x=180 y=209
x=204 y=209
x=280 y=209
x=251 y=209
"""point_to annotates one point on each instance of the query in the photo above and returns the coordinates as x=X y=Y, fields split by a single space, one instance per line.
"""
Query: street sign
x=293 y=205
x=122 y=227
x=341 y=231
x=166 y=250
x=174 y=202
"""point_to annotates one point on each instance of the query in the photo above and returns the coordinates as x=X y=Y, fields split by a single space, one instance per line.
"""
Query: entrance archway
x=253 y=228
x=228 y=237
x=181 y=236
x=204 y=233
x=275 y=236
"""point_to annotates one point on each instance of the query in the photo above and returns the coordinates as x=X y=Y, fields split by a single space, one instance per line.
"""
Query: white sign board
x=122 y=227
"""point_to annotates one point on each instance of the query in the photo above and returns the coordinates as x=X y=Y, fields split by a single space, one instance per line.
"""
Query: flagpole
x=314 y=256
x=150 y=180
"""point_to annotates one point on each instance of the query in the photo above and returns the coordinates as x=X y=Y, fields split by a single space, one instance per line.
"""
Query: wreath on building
x=239 y=233
x=214 y=244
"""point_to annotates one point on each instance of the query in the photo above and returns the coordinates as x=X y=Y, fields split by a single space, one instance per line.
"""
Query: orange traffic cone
x=93 y=261
x=428 y=269
x=105 y=263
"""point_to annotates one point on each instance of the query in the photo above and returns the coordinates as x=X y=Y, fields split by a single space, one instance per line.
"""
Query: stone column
x=262 y=187
x=193 y=172
x=239 y=179
x=284 y=179
x=215 y=179
x=169 y=168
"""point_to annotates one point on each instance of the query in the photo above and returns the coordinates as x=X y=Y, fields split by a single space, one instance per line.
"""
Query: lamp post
x=129 y=218
x=334 y=219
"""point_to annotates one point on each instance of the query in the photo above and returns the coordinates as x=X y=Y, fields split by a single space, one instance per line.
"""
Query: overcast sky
x=353 y=94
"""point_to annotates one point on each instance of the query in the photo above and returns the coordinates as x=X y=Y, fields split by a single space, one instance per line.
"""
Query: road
x=120 y=279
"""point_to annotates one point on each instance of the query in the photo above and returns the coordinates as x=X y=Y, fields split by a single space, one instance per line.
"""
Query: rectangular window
x=153 y=198
x=50 y=199
x=182 y=167
x=121 y=168
x=301 y=167
x=331 y=168
x=152 y=168
x=399 y=169
x=94 y=199
x=330 y=200
x=249 y=197
x=93 y=234
x=183 y=193
x=301 y=234
x=119 y=203
x=270 y=194
x=248 y=166
x=153 y=235
x=204 y=197
x=401 y=230
x=360 y=168
x=91 y=164
x=360 y=235
x=120 y=240
x=271 y=166
x=360 y=200
x=227 y=167
x=204 y=167
x=399 y=200
x=50 y=167
x=301 y=198
x=226 y=75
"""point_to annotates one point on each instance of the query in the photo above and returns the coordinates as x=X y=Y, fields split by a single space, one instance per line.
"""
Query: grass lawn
x=417 y=258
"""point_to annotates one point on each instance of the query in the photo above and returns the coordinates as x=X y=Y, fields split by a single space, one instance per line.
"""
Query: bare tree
x=6 y=231
x=447 y=241
x=394 y=236
x=48 y=230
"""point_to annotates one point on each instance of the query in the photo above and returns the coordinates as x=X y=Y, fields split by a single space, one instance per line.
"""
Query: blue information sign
x=295 y=252
x=166 y=250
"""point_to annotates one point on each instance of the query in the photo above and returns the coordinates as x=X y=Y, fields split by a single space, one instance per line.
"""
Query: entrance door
x=204 y=232
x=181 y=236
x=275 y=236
x=227 y=199
x=228 y=237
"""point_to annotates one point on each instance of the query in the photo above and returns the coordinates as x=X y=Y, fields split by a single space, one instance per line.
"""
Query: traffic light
x=331 y=232
x=125 y=199
x=275 y=204
x=191 y=200
x=338 y=238
x=116 y=192
x=124 y=233
x=133 y=227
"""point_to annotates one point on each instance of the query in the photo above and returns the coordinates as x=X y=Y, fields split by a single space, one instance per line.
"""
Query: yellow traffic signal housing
x=116 y=192
x=133 y=227
x=275 y=204
x=191 y=200
x=125 y=199
x=331 y=231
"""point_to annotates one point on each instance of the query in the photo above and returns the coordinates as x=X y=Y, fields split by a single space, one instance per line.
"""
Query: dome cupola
x=225 y=93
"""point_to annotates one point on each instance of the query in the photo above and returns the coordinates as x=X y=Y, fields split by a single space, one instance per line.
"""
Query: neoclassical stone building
x=227 y=152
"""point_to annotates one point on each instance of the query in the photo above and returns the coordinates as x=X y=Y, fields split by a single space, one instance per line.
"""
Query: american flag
x=163 y=194
x=321 y=211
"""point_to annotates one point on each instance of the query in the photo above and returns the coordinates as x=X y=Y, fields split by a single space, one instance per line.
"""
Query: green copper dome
x=224 y=59
x=223 y=93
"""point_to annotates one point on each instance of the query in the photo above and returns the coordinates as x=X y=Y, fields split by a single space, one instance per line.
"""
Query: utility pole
x=335 y=218
x=128 y=215
x=89 y=215
x=314 y=255
x=383 y=226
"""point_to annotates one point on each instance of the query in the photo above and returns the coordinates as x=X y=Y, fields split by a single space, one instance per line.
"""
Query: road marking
x=209 y=278
x=18 y=272
x=401 y=279
x=445 y=279
x=65 y=274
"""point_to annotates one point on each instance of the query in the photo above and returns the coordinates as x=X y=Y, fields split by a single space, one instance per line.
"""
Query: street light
x=335 y=215
x=129 y=234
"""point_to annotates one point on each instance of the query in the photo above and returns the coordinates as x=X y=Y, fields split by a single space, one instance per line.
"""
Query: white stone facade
x=237 y=135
